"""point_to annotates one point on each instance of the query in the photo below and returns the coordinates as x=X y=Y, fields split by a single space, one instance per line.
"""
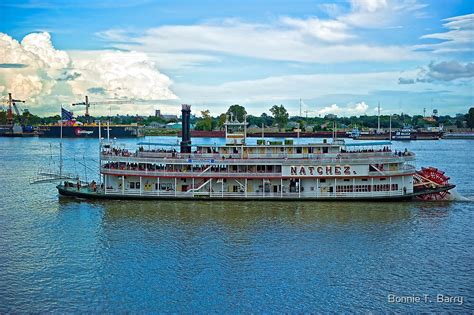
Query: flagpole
x=100 y=151
x=61 y=146
x=390 y=127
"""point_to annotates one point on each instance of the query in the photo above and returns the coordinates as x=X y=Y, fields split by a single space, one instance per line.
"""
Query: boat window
x=364 y=179
x=322 y=180
x=137 y=185
x=325 y=149
x=132 y=185
x=298 y=150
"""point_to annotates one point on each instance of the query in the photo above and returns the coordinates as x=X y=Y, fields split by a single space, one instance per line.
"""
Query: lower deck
x=266 y=188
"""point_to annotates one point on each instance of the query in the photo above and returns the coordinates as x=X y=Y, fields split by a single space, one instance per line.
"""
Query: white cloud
x=458 y=38
x=325 y=30
x=40 y=45
x=311 y=39
x=283 y=89
x=25 y=86
x=40 y=63
x=35 y=71
x=290 y=40
x=120 y=75
x=436 y=72
x=379 y=13
x=348 y=110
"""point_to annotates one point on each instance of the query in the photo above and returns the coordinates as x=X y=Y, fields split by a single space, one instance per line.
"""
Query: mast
x=378 y=119
x=61 y=146
x=245 y=129
x=300 y=108
x=100 y=160
x=9 y=111
x=390 y=136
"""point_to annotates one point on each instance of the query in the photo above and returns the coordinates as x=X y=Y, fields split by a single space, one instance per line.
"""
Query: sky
x=314 y=57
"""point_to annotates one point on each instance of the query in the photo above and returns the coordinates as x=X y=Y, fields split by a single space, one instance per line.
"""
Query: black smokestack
x=185 y=131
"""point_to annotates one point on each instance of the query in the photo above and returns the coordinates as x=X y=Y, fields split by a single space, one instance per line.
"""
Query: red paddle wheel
x=431 y=178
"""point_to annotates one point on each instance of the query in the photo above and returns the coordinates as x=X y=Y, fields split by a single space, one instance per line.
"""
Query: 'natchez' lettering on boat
x=319 y=170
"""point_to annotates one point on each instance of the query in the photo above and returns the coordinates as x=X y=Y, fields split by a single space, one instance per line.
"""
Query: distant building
x=292 y=124
x=176 y=125
x=165 y=116
x=309 y=128
x=258 y=129
x=155 y=124
x=169 y=117
x=430 y=119
x=173 y=125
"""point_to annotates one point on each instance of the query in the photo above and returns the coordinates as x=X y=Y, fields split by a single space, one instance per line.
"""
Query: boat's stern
x=431 y=184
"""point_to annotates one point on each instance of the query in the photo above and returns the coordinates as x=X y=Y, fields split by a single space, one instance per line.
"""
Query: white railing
x=114 y=171
x=256 y=159
x=263 y=195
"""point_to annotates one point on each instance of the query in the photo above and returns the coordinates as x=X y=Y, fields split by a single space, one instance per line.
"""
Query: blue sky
x=339 y=57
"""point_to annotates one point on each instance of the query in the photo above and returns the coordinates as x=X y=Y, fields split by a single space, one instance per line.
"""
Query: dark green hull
x=86 y=194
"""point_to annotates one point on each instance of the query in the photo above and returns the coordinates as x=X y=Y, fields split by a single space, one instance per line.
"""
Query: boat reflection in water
x=230 y=213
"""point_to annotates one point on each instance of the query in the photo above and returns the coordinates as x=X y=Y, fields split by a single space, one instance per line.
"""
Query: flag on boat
x=65 y=114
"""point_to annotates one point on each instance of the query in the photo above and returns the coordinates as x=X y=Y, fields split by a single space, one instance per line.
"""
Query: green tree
x=280 y=115
x=267 y=120
x=238 y=112
x=302 y=124
x=205 y=123
x=221 y=120
x=470 y=118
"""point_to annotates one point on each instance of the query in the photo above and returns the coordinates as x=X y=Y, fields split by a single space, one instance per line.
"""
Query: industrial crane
x=11 y=103
x=18 y=111
x=87 y=104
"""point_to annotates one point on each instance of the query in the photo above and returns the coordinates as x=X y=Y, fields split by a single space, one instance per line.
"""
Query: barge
x=89 y=130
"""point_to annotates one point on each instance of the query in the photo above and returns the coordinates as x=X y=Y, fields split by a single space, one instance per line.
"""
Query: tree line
x=278 y=118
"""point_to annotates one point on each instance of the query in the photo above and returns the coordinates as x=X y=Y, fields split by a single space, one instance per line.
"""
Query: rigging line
x=85 y=166
x=51 y=161
x=75 y=165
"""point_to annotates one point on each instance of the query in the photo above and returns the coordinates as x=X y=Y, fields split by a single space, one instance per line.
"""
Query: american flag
x=65 y=114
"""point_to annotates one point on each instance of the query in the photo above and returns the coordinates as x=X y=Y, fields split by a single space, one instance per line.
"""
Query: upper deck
x=267 y=159
x=339 y=152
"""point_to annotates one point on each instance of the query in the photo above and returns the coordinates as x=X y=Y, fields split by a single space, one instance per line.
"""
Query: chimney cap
x=185 y=107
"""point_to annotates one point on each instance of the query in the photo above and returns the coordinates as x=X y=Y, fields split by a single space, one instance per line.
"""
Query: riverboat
x=280 y=170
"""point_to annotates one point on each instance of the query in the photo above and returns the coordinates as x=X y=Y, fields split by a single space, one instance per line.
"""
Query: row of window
x=365 y=188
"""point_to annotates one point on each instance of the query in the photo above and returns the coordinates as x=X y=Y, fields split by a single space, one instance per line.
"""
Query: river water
x=60 y=254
